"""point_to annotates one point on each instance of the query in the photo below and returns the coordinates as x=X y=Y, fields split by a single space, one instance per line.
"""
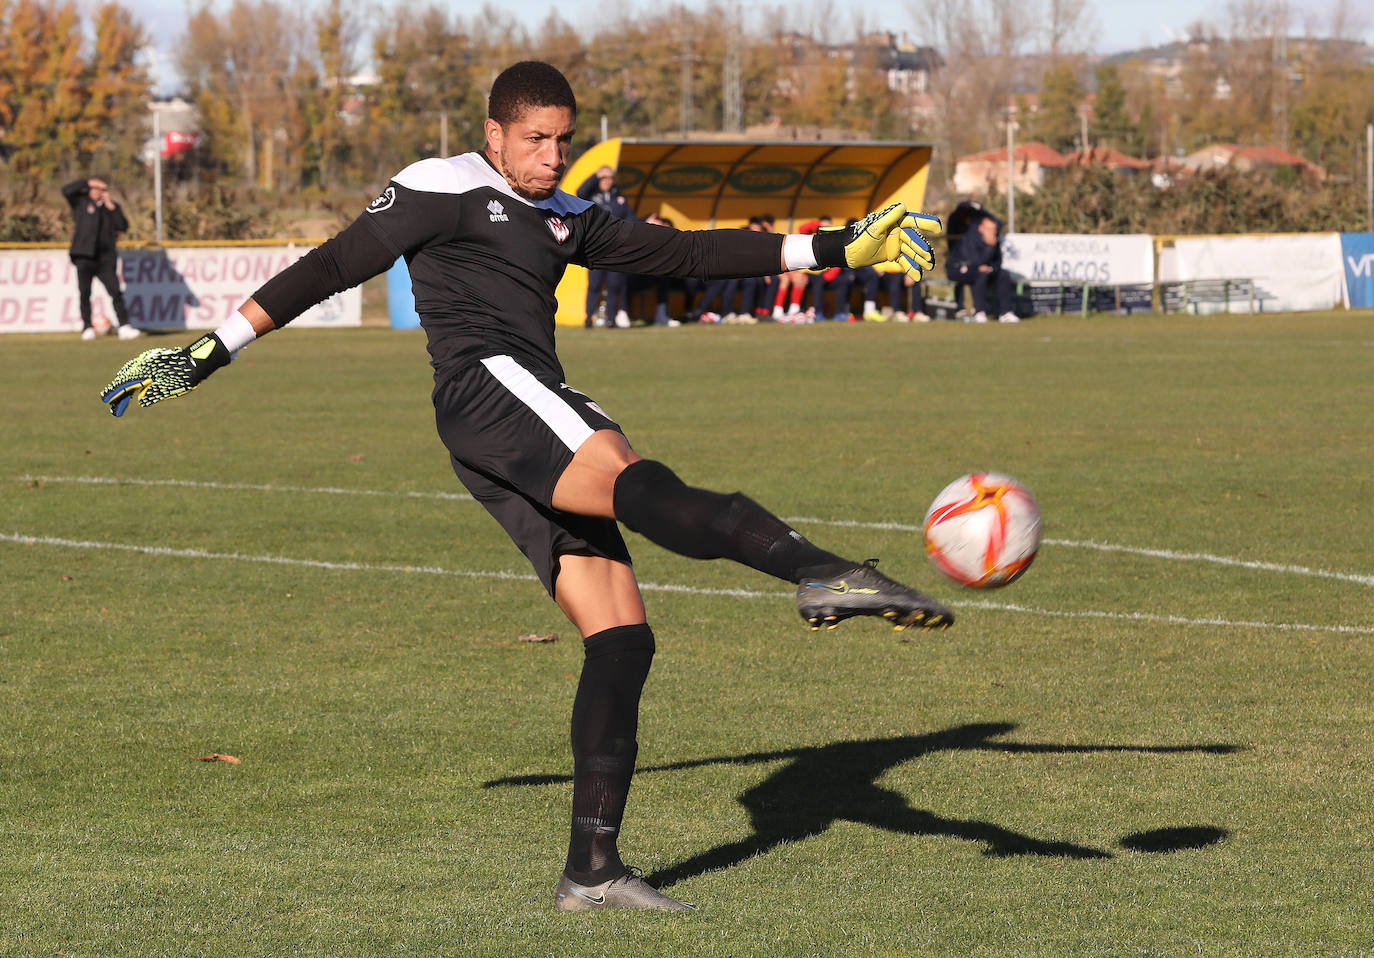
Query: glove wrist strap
x=208 y=354
x=827 y=246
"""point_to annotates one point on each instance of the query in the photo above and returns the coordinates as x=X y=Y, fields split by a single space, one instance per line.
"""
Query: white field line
x=1169 y=554
x=242 y=487
x=647 y=586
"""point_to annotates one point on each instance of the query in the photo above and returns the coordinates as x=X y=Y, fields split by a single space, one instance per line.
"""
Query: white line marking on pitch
x=646 y=586
x=1169 y=554
x=244 y=487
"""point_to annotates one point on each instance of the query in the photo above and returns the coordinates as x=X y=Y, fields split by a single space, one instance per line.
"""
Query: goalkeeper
x=487 y=236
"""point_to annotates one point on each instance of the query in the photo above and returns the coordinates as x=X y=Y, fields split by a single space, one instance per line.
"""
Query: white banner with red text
x=164 y=289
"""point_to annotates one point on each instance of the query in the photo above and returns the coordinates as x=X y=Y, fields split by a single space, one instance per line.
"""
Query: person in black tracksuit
x=96 y=222
x=602 y=190
x=977 y=261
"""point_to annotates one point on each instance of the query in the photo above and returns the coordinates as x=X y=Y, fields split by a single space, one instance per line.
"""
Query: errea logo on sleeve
x=498 y=212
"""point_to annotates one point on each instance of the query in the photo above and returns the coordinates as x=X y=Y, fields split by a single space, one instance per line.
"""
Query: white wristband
x=236 y=333
x=797 y=252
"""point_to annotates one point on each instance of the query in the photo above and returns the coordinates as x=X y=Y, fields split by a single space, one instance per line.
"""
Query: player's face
x=988 y=230
x=532 y=152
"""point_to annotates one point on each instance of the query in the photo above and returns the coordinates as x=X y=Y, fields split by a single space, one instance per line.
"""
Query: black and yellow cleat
x=863 y=590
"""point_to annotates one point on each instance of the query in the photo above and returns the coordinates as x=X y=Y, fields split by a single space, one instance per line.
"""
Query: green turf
x=1069 y=771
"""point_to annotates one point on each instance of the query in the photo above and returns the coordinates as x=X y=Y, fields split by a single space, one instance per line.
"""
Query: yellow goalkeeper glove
x=890 y=235
x=157 y=374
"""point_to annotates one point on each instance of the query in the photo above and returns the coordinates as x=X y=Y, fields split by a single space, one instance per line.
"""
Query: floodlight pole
x=157 y=174
x=1369 y=177
x=1011 y=169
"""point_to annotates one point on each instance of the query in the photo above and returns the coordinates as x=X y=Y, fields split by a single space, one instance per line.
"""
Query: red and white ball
x=983 y=530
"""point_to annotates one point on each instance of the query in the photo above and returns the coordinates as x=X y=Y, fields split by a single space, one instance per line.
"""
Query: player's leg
x=594 y=591
x=617 y=301
x=109 y=278
x=979 y=285
x=1006 y=301
x=607 y=478
x=85 y=273
x=596 y=278
x=584 y=565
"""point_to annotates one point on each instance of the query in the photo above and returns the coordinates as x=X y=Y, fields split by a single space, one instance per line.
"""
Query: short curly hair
x=528 y=85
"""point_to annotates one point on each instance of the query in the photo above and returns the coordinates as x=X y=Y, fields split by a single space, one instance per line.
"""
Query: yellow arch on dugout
x=704 y=184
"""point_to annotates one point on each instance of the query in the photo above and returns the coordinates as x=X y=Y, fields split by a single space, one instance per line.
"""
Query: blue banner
x=1357 y=255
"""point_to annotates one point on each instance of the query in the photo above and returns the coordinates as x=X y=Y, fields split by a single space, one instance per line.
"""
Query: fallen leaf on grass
x=536 y=637
x=217 y=757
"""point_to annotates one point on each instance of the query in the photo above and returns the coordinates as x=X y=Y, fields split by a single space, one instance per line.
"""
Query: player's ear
x=494 y=133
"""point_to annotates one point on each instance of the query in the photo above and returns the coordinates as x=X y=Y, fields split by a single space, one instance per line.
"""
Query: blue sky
x=1122 y=24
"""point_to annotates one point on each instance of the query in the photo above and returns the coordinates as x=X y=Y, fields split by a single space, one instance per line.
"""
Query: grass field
x=1158 y=742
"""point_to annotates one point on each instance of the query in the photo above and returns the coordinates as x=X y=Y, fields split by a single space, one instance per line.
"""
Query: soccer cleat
x=88 y=334
x=863 y=590
x=1009 y=318
x=630 y=891
x=127 y=332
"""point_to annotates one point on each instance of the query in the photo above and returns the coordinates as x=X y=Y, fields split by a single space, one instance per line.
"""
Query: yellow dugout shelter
x=719 y=184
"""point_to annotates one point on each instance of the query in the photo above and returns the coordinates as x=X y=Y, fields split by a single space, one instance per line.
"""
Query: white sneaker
x=1009 y=318
x=88 y=334
x=128 y=332
x=622 y=319
x=777 y=312
x=979 y=317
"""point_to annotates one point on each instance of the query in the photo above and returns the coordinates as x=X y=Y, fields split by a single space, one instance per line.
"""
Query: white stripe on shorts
x=542 y=400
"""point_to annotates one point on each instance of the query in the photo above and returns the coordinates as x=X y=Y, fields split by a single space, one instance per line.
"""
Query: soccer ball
x=983 y=530
x=100 y=323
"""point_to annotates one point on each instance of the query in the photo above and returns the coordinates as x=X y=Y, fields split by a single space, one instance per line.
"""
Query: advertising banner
x=1073 y=259
x=177 y=288
x=1357 y=256
x=1289 y=272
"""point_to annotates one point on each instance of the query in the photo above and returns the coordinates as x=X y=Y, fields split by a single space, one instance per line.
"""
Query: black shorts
x=510 y=433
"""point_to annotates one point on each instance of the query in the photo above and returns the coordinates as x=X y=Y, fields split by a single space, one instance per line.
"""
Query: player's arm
x=889 y=235
x=353 y=256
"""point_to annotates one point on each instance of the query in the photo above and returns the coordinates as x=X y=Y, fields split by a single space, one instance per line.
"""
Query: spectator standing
x=978 y=262
x=602 y=190
x=661 y=285
x=97 y=220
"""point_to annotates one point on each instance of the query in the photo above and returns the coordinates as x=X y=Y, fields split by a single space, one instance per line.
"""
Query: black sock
x=651 y=500
x=605 y=719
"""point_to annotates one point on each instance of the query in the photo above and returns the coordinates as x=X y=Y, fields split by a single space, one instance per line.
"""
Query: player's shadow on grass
x=823 y=784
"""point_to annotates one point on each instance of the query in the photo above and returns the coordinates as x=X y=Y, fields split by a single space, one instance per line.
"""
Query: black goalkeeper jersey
x=485 y=262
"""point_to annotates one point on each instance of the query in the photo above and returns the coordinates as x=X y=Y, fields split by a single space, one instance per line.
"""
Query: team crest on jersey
x=559 y=228
x=384 y=201
x=498 y=212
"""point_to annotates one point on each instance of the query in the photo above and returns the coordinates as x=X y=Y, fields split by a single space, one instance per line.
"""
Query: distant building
x=1105 y=156
x=1248 y=158
x=979 y=173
